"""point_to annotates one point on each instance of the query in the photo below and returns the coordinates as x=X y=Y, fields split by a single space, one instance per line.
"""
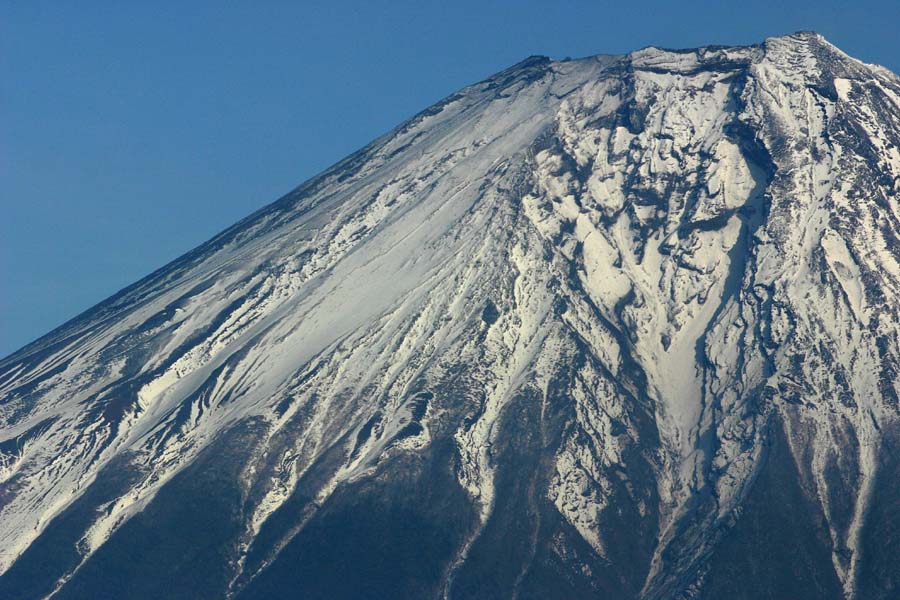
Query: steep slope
x=622 y=327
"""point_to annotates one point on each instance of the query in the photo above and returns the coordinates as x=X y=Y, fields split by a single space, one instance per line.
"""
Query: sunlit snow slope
x=617 y=327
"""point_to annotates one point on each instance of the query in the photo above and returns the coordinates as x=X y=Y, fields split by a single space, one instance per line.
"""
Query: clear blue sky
x=131 y=132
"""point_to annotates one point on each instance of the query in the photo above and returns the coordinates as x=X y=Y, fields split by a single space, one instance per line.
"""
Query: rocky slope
x=617 y=327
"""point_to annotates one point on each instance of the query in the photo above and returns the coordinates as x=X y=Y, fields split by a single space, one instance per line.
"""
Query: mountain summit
x=617 y=327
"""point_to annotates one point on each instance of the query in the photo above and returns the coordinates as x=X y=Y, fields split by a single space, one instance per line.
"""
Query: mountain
x=618 y=327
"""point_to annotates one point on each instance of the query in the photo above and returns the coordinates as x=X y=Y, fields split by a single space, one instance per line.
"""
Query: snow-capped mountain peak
x=622 y=325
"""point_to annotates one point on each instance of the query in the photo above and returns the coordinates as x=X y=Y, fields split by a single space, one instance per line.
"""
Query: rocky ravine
x=617 y=327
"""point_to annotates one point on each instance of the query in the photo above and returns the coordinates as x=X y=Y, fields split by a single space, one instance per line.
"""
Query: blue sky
x=131 y=132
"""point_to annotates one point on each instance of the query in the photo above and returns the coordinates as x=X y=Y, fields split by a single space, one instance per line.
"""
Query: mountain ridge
x=532 y=59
